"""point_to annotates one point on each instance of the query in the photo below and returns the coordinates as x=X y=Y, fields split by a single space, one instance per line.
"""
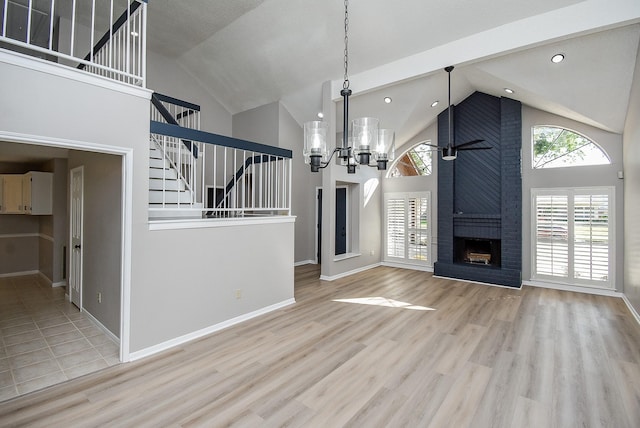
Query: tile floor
x=44 y=339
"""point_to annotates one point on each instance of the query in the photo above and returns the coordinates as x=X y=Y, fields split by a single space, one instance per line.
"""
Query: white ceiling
x=249 y=53
x=252 y=52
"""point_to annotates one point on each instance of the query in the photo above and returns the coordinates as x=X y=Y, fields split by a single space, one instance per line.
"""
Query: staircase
x=167 y=189
x=243 y=178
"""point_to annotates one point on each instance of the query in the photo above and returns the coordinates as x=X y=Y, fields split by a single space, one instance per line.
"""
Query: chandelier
x=367 y=141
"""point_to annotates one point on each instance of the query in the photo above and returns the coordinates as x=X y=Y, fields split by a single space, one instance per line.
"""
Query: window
x=573 y=235
x=555 y=147
x=408 y=222
x=415 y=162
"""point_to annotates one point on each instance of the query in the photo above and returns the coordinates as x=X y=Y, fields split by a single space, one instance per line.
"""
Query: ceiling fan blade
x=468 y=143
x=475 y=148
x=433 y=145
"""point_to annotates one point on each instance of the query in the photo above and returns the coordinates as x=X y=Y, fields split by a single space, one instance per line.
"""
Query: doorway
x=119 y=197
x=341 y=220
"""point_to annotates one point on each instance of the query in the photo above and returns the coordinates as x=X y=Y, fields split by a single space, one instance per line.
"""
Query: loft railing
x=87 y=34
x=240 y=178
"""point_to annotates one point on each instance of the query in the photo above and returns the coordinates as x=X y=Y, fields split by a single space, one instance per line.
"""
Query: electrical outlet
x=238 y=294
x=372 y=252
x=99 y=297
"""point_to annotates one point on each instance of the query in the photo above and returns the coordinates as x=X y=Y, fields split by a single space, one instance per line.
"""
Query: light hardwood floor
x=387 y=347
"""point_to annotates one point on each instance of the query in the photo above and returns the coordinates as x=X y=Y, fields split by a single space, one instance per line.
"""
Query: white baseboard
x=46 y=279
x=23 y=273
x=35 y=272
x=205 y=331
x=574 y=288
x=351 y=272
x=408 y=266
x=305 y=262
x=631 y=308
x=98 y=324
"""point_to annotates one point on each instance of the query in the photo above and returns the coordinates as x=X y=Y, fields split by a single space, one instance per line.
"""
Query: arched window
x=414 y=162
x=555 y=147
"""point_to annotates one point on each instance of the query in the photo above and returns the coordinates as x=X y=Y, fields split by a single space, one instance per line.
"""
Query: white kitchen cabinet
x=11 y=198
x=37 y=191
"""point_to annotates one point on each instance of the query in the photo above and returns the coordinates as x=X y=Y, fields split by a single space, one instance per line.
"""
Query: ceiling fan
x=450 y=151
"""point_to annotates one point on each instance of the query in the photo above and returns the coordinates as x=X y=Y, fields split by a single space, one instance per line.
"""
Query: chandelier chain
x=345 y=84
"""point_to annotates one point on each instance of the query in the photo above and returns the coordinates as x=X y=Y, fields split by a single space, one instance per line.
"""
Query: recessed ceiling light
x=435 y=103
x=509 y=91
x=557 y=58
x=320 y=115
x=387 y=100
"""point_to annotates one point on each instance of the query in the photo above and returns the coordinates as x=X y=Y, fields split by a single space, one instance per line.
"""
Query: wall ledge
x=54 y=69
x=204 y=223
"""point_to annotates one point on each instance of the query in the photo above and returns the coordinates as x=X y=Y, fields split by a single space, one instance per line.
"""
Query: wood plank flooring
x=384 y=348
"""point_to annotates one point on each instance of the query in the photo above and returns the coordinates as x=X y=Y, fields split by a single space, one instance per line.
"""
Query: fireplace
x=475 y=251
x=480 y=194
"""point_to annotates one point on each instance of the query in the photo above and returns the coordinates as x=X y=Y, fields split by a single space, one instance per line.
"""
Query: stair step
x=168 y=174
x=155 y=153
x=170 y=197
x=159 y=163
x=169 y=184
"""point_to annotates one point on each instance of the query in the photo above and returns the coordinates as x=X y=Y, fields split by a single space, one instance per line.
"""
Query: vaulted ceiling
x=248 y=53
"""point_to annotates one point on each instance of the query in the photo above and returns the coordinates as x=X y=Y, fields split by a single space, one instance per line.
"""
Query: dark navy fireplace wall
x=480 y=193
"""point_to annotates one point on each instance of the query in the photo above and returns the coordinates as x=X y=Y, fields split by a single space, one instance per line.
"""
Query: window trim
x=571 y=192
x=602 y=149
x=401 y=155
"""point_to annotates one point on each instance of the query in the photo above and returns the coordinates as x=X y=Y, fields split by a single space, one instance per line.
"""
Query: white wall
x=102 y=237
x=273 y=125
x=181 y=280
x=193 y=283
x=631 y=144
x=167 y=76
x=260 y=125
x=303 y=188
x=584 y=176
x=418 y=183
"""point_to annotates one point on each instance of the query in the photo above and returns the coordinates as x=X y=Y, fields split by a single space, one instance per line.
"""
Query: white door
x=75 y=261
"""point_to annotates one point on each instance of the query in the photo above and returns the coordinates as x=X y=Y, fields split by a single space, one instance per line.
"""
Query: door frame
x=126 y=215
x=318 y=226
x=347 y=221
x=71 y=218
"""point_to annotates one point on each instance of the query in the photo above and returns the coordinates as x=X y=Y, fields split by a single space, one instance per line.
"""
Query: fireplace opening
x=476 y=251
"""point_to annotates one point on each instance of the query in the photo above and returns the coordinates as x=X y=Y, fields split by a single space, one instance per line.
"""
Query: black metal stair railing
x=254 y=160
x=157 y=99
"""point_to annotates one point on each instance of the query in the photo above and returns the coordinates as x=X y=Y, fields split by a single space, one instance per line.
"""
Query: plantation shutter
x=591 y=237
x=552 y=244
x=407 y=220
x=418 y=229
x=573 y=234
x=395 y=227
